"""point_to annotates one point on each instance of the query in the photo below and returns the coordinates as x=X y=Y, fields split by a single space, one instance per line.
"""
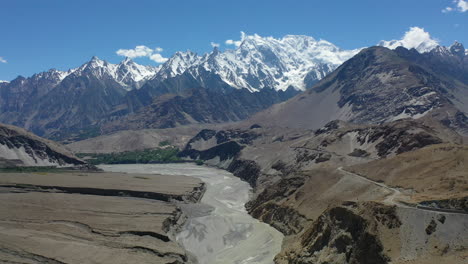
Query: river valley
x=218 y=229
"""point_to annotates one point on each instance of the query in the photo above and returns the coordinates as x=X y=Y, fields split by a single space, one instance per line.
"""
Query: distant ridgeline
x=220 y=86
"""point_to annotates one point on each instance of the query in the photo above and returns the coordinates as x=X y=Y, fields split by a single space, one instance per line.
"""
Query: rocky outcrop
x=285 y=219
x=225 y=147
x=247 y=170
x=456 y=204
x=281 y=190
x=21 y=148
x=386 y=139
x=344 y=234
x=224 y=151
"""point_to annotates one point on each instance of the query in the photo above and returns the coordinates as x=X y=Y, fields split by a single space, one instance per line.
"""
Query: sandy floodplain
x=219 y=229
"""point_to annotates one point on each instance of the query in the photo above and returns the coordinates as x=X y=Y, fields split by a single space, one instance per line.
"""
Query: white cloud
x=158 y=58
x=2 y=60
x=232 y=42
x=236 y=43
x=459 y=5
x=214 y=45
x=447 y=9
x=143 y=51
x=462 y=5
x=416 y=38
x=138 y=51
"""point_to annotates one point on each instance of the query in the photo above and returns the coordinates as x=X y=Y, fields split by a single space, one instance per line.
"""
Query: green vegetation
x=163 y=155
x=164 y=143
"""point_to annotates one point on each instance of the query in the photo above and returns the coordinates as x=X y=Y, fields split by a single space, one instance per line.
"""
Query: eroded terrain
x=92 y=217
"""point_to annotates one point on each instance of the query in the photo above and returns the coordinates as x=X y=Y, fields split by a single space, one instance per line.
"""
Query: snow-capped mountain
x=56 y=103
x=127 y=73
x=18 y=93
x=177 y=64
x=380 y=85
x=263 y=62
x=455 y=51
x=132 y=74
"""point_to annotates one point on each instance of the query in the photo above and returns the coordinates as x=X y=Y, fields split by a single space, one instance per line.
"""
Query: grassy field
x=160 y=155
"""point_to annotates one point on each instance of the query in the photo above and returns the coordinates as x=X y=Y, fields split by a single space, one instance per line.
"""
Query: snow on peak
x=127 y=60
x=263 y=62
x=53 y=75
x=127 y=73
x=130 y=73
x=282 y=63
x=178 y=64
x=415 y=38
x=457 y=49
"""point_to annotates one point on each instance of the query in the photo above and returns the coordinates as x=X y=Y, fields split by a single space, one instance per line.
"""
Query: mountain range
x=100 y=97
x=56 y=103
x=381 y=85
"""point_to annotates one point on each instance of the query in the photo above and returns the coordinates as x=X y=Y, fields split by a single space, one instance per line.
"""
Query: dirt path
x=390 y=199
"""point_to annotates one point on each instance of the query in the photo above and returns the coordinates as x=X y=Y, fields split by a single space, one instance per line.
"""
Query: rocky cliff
x=21 y=148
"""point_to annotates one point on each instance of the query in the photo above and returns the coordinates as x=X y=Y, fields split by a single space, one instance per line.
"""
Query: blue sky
x=39 y=35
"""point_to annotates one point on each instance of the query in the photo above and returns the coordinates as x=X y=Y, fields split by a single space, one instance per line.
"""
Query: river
x=218 y=229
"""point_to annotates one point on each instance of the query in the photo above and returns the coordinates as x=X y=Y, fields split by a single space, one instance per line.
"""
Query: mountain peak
x=215 y=50
x=127 y=60
x=457 y=49
x=96 y=62
x=456 y=44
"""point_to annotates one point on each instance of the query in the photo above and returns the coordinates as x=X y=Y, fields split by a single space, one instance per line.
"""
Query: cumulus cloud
x=214 y=45
x=459 y=5
x=2 y=60
x=416 y=38
x=138 y=51
x=236 y=43
x=462 y=5
x=158 y=58
x=143 y=51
